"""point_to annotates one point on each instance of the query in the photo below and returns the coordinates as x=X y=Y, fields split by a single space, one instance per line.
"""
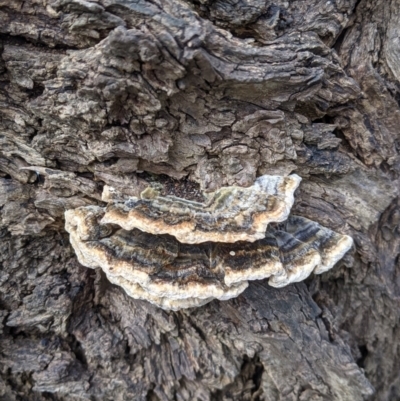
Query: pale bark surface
x=121 y=92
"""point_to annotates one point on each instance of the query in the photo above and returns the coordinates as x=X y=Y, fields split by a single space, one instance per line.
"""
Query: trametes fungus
x=231 y=214
x=175 y=274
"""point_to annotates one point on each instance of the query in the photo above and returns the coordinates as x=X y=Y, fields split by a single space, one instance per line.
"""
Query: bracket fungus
x=180 y=274
x=231 y=214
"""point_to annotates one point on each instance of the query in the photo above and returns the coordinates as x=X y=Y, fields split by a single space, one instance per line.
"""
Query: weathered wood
x=124 y=92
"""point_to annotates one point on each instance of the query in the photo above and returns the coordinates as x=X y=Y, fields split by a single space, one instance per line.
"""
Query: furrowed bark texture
x=121 y=92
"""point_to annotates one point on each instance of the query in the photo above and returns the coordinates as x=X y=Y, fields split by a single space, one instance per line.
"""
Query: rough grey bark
x=123 y=92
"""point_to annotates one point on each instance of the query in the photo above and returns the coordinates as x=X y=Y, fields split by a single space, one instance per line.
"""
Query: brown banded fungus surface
x=178 y=254
x=231 y=214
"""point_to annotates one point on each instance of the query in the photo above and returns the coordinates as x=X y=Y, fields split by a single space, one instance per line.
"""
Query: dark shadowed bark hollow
x=199 y=94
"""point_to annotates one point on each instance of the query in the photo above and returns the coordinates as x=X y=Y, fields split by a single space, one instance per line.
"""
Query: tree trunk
x=196 y=95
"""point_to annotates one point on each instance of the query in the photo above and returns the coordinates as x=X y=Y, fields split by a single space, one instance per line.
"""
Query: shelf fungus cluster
x=178 y=254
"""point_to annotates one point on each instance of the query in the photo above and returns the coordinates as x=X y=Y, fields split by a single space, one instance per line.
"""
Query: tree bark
x=195 y=95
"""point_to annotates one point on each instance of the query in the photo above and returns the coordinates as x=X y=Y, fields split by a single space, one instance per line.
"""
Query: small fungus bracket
x=231 y=214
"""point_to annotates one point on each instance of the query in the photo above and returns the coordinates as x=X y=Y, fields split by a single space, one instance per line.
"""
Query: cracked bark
x=199 y=94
